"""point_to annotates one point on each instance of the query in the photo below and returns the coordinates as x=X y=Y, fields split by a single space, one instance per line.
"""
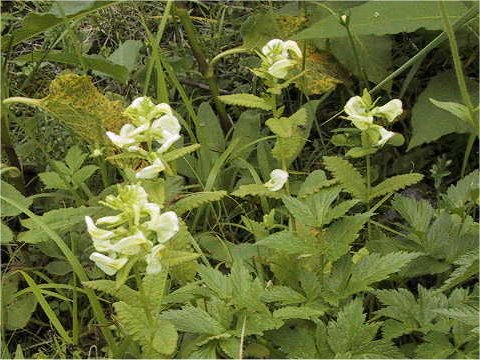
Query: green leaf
x=60 y=220
x=374 y=267
x=18 y=312
x=374 y=53
x=75 y=158
x=394 y=184
x=246 y=130
x=456 y=109
x=209 y=131
x=464 y=191
x=315 y=181
x=175 y=258
x=193 y=320
x=178 y=153
x=246 y=100
x=126 y=54
x=341 y=234
x=296 y=341
x=10 y=192
x=84 y=174
x=418 y=214
x=256 y=190
x=384 y=17
x=435 y=345
x=288 y=243
x=58 y=267
x=134 y=321
x=6 y=236
x=347 y=175
x=193 y=201
x=165 y=337
x=283 y=295
x=52 y=180
x=123 y=293
x=154 y=287
x=300 y=312
x=300 y=211
x=430 y=122
x=94 y=62
x=216 y=281
x=257 y=30
x=467 y=267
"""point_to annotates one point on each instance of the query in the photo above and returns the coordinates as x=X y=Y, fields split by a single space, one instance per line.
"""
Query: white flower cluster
x=361 y=112
x=134 y=231
x=151 y=125
x=278 y=58
x=278 y=178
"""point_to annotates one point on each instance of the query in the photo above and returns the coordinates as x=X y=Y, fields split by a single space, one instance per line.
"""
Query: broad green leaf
x=6 y=235
x=374 y=53
x=134 y=321
x=19 y=311
x=300 y=211
x=288 y=243
x=283 y=295
x=456 y=109
x=384 y=17
x=58 y=267
x=34 y=24
x=75 y=158
x=84 y=174
x=315 y=181
x=257 y=30
x=98 y=63
x=430 y=122
x=126 y=54
x=297 y=312
x=246 y=130
x=246 y=100
x=53 y=180
x=418 y=213
x=195 y=200
x=10 y=192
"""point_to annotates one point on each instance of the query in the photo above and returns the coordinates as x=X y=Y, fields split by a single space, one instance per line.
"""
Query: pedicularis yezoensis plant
x=324 y=275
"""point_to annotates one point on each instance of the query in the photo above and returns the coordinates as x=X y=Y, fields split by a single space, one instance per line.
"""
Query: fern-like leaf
x=178 y=153
x=193 y=201
x=124 y=293
x=347 y=175
x=256 y=190
x=246 y=100
x=394 y=183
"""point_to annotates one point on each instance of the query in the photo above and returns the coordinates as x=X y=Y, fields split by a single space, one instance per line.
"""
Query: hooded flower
x=358 y=111
x=151 y=171
x=107 y=264
x=278 y=178
x=132 y=245
x=166 y=131
x=280 y=56
x=165 y=225
x=129 y=137
x=390 y=110
x=154 y=266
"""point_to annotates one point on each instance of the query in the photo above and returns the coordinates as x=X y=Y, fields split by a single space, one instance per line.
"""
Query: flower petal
x=165 y=225
x=278 y=178
x=107 y=264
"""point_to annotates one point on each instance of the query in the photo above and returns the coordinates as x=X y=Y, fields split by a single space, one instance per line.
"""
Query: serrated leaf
x=297 y=312
x=463 y=191
x=123 y=293
x=468 y=266
x=75 y=158
x=246 y=100
x=134 y=322
x=341 y=234
x=6 y=235
x=300 y=211
x=154 y=287
x=52 y=180
x=288 y=243
x=283 y=295
x=418 y=213
x=217 y=282
x=193 y=320
x=347 y=175
x=394 y=184
x=165 y=337
x=178 y=153
x=175 y=257
x=315 y=181
x=193 y=201
x=84 y=174
x=256 y=190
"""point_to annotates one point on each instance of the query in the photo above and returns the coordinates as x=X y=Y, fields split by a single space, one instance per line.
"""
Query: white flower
x=358 y=112
x=280 y=57
x=154 y=265
x=390 y=110
x=132 y=245
x=129 y=136
x=151 y=171
x=166 y=131
x=95 y=232
x=385 y=135
x=278 y=178
x=165 y=225
x=108 y=264
x=109 y=219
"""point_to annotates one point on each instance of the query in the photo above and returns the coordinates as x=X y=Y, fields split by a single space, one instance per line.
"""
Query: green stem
x=217 y=58
x=205 y=69
x=143 y=297
x=75 y=322
x=369 y=184
x=466 y=156
x=461 y=82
